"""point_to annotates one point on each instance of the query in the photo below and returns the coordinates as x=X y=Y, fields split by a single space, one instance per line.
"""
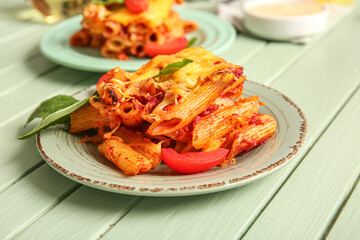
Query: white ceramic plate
x=83 y=163
x=213 y=34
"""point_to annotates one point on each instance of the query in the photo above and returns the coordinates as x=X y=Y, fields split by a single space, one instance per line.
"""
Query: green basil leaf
x=105 y=2
x=191 y=42
x=59 y=117
x=50 y=106
x=173 y=67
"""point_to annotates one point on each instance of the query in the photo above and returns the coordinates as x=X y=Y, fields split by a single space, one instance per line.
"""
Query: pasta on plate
x=197 y=108
x=120 y=32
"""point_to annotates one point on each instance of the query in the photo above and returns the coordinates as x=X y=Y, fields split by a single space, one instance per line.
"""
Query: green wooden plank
x=22 y=47
x=29 y=95
x=27 y=200
x=235 y=213
x=86 y=214
x=270 y=63
x=347 y=224
x=311 y=197
x=12 y=77
x=7 y=8
x=8 y=27
x=19 y=30
x=242 y=49
x=207 y=206
x=13 y=164
x=214 y=216
x=277 y=57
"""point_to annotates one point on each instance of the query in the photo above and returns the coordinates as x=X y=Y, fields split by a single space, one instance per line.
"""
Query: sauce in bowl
x=286 y=9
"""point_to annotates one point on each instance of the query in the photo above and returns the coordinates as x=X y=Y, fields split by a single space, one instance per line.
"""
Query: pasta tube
x=219 y=123
x=80 y=38
x=123 y=156
x=130 y=113
x=112 y=29
x=142 y=145
x=193 y=104
x=252 y=135
x=87 y=118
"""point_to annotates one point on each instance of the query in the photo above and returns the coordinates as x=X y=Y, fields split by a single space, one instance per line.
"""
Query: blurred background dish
x=284 y=19
x=213 y=34
x=57 y=10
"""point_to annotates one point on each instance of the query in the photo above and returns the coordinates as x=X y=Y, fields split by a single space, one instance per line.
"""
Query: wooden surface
x=315 y=196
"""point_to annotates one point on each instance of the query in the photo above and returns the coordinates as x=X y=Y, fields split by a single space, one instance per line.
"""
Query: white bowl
x=283 y=27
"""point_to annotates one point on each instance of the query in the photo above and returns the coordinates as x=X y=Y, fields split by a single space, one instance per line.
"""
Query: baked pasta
x=120 y=30
x=196 y=109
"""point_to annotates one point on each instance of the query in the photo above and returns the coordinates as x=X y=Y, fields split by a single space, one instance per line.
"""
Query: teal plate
x=213 y=34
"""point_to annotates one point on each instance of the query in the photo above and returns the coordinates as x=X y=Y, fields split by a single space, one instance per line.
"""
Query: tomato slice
x=171 y=46
x=105 y=77
x=193 y=162
x=102 y=78
x=137 y=6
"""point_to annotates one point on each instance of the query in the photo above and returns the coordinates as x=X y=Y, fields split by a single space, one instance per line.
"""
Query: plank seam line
x=250 y=56
x=23 y=83
x=20 y=113
x=52 y=206
x=13 y=64
x=316 y=139
x=278 y=189
x=18 y=34
x=29 y=170
x=338 y=213
x=132 y=206
x=23 y=175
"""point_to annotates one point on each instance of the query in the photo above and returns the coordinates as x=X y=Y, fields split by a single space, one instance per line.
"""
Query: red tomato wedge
x=171 y=46
x=193 y=162
x=105 y=77
x=102 y=78
x=137 y=6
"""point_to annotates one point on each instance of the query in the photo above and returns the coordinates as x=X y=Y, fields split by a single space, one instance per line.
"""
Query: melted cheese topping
x=140 y=85
x=155 y=15
x=205 y=63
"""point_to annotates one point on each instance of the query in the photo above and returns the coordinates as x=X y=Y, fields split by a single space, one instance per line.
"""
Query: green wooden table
x=315 y=196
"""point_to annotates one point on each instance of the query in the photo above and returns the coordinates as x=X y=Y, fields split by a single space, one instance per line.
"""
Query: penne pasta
x=155 y=36
x=96 y=41
x=137 y=50
x=125 y=32
x=255 y=133
x=196 y=108
x=141 y=144
x=123 y=156
x=112 y=29
x=87 y=118
x=115 y=44
x=189 y=26
x=198 y=100
x=139 y=26
x=130 y=114
x=217 y=124
x=108 y=53
x=80 y=38
x=93 y=18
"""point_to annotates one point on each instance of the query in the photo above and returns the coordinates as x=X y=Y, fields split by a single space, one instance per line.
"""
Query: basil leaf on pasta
x=105 y=2
x=191 y=42
x=61 y=116
x=50 y=106
x=173 y=67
